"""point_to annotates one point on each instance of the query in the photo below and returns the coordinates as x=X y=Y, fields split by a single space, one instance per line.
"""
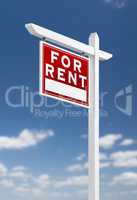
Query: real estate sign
x=63 y=74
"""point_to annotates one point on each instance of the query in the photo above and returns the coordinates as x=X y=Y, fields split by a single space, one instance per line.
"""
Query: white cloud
x=43 y=181
x=123 y=155
x=124 y=159
x=83 y=167
x=16 y=178
x=21 y=181
x=77 y=167
x=19 y=168
x=76 y=181
x=19 y=172
x=61 y=195
x=125 y=163
x=38 y=186
x=108 y=141
x=83 y=192
x=80 y=167
x=103 y=156
x=33 y=191
x=37 y=192
x=126 y=178
x=26 y=138
x=23 y=189
x=105 y=164
x=104 y=161
x=117 y=3
x=128 y=142
x=3 y=170
x=7 y=183
x=19 y=175
x=81 y=157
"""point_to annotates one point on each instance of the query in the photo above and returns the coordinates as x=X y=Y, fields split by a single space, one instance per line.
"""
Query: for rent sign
x=63 y=74
x=67 y=76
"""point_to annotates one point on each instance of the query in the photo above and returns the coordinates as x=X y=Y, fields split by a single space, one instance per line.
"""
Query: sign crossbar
x=51 y=36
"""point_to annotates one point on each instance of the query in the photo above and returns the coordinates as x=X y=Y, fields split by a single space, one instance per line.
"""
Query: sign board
x=63 y=74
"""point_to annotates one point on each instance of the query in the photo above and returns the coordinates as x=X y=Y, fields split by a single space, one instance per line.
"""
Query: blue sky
x=43 y=149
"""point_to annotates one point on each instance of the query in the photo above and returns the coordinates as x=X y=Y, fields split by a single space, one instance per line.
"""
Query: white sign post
x=93 y=52
x=93 y=120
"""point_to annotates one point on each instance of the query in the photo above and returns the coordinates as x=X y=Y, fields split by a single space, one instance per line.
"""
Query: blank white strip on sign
x=65 y=90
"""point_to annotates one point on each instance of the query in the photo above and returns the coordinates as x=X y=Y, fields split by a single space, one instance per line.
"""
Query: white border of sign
x=40 y=73
x=95 y=54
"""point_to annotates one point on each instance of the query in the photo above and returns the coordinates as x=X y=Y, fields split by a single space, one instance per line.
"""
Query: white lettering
x=54 y=56
x=61 y=74
x=72 y=78
x=65 y=61
x=83 y=79
x=77 y=65
x=49 y=70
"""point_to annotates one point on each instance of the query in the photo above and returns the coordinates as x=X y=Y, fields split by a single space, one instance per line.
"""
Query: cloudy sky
x=43 y=142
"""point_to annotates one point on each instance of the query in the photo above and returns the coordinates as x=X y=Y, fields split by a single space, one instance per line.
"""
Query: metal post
x=93 y=120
